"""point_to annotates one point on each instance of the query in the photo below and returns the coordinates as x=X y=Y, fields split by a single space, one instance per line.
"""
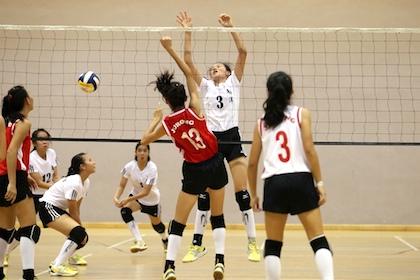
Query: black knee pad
x=320 y=243
x=32 y=232
x=176 y=228
x=127 y=214
x=217 y=222
x=204 y=201
x=7 y=235
x=159 y=228
x=272 y=248
x=78 y=235
x=243 y=200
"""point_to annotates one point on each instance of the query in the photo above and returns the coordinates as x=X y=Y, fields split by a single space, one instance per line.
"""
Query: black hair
x=36 y=138
x=280 y=89
x=148 y=148
x=76 y=161
x=13 y=103
x=173 y=92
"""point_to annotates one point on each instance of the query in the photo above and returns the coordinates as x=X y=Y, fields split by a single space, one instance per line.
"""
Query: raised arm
x=226 y=21
x=192 y=89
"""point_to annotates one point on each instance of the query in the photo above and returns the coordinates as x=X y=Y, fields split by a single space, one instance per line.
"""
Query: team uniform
x=288 y=183
x=203 y=166
x=54 y=202
x=150 y=204
x=22 y=167
x=221 y=104
x=45 y=168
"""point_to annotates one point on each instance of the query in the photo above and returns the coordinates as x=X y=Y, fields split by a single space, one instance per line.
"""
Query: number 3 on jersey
x=194 y=138
x=285 y=155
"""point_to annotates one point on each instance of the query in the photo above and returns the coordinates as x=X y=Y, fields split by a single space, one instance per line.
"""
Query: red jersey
x=191 y=135
x=23 y=151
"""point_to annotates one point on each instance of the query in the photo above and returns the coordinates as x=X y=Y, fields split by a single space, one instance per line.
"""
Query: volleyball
x=88 y=81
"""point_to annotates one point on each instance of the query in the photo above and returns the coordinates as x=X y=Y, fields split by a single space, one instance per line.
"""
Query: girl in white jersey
x=144 y=196
x=221 y=97
x=283 y=135
x=60 y=210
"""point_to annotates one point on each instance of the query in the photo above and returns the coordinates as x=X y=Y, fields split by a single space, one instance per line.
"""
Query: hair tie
x=10 y=96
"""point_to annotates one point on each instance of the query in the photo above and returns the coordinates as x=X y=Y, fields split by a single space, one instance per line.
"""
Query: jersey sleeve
x=126 y=171
x=152 y=176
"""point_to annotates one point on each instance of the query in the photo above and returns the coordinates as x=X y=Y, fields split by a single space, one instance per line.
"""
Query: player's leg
x=154 y=213
x=274 y=228
x=127 y=216
x=196 y=249
x=312 y=222
x=239 y=175
x=7 y=231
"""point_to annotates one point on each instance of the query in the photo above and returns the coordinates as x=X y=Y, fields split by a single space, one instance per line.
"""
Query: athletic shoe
x=253 y=252
x=6 y=260
x=219 y=271
x=63 y=270
x=169 y=274
x=77 y=259
x=194 y=252
x=138 y=246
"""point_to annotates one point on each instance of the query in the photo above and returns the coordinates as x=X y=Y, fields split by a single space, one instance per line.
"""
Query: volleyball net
x=362 y=86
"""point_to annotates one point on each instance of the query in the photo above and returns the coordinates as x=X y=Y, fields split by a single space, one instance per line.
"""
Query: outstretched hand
x=166 y=42
x=184 y=19
x=158 y=113
x=225 y=20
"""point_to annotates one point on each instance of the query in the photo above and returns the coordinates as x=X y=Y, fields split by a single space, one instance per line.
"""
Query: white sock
x=324 y=262
x=27 y=252
x=3 y=247
x=174 y=241
x=134 y=228
x=67 y=250
x=200 y=221
x=219 y=235
x=249 y=222
x=12 y=246
x=272 y=267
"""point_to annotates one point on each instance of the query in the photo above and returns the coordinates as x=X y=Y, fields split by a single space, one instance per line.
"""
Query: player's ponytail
x=280 y=89
x=76 y=161
x=13 y=103
x=173 y=92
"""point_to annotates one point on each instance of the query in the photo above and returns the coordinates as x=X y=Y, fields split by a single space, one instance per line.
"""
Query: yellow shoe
x=138 y=246
x=219 y=271
x=194 y=252
x=6 y=260
x=169 y=274
x=77 y=259
x=253 y=252
x=63 y=270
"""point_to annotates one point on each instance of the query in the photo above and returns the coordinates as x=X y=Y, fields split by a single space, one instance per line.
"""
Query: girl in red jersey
x=15 y=194
x=283 y=135
x=203 y=167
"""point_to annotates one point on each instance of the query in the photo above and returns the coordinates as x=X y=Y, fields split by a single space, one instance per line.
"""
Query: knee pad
x=32 y=232
x=204 y=201
x=217 y=222
x=272 y=248
x=243 y=200
x=7 y=235
x=78 y=235
x=159 y=228
x=320 y=243
x=127 y=214
x=176 y=228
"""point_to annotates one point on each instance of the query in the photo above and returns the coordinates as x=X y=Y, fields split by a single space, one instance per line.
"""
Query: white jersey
x=282 y=146
x=221 y=103
x=45 y=167
x=138 y=178
x=68 y=188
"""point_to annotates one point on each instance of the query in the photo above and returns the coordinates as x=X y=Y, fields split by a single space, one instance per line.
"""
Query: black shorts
x=48 y=213
x=210 y=173
x=230 y=151
x=153 y=210
x=22 y=188
x=292 y=193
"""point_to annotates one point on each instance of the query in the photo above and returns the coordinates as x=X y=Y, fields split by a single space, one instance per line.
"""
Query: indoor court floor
x=358 y=254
